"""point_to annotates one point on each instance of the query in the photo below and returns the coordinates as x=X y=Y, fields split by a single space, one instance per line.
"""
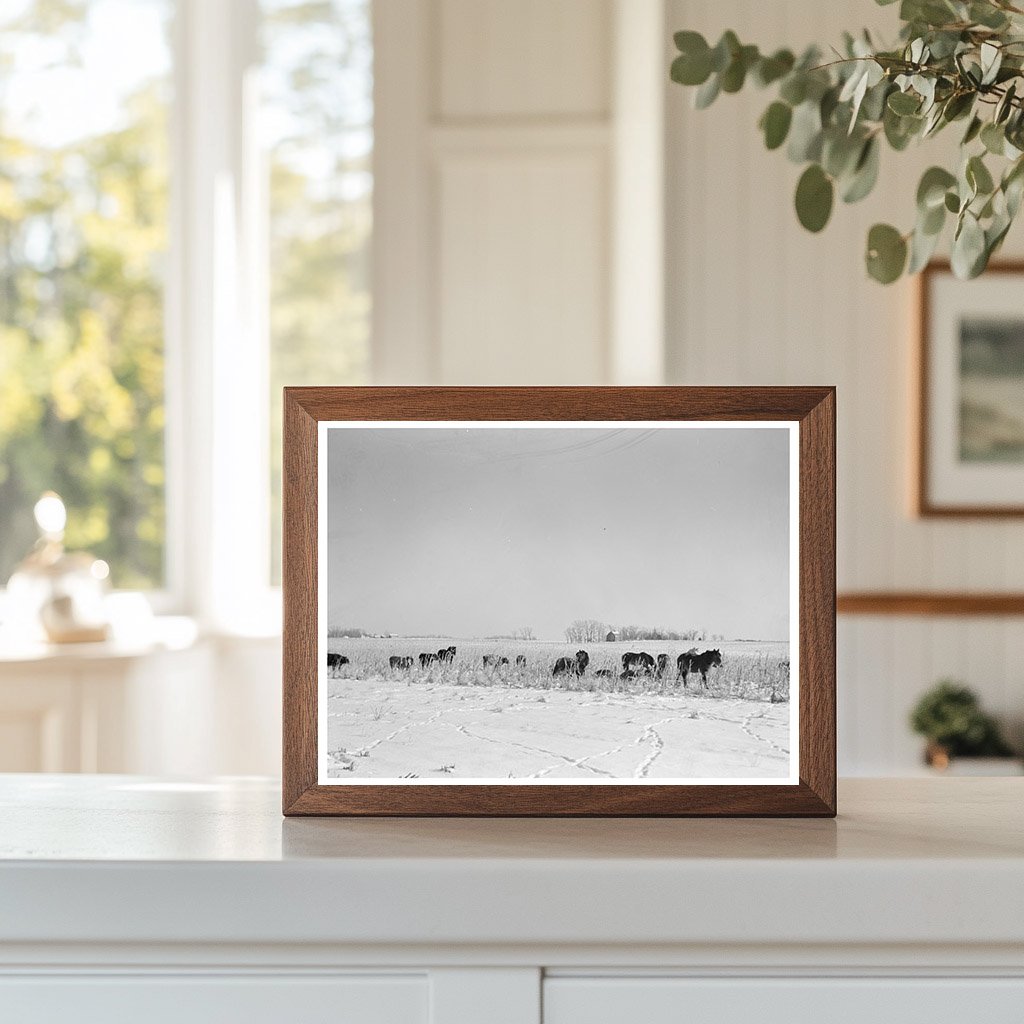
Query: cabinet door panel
x=782 y=1000
x=202 y=999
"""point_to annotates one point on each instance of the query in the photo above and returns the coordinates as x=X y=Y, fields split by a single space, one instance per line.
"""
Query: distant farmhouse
x=612 y=637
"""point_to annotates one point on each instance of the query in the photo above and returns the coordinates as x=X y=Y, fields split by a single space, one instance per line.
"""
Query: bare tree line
x=594 y=631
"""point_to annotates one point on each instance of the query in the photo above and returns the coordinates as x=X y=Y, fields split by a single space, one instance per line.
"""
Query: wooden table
x=125 y=898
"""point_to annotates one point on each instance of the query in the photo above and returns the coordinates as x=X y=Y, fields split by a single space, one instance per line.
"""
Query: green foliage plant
x=957 y=62
x=950 y=717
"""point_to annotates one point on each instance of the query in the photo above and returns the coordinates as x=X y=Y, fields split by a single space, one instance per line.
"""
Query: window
x=185 y=222
x=83 y=234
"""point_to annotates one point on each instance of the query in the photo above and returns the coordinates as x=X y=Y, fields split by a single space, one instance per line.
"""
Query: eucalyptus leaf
x=968 y=254
x=865 y=174
x=724 y=51
x=993 y=138
x=707 y=93
x=922 y=247
x=1014 y=192
x=904 y=103
x=875 y=98
x=886 y=253
x=1005 y=105
x=931 y=190
x=973 y=130
x=814 y=195
x=775 y=124
x=840 y=152
x=805 y=133
x=987 y=15
x=933 y=122
x=794 y=88
x=827 y=106
x=929 y=12
x=900 y=130
x=1013 y=186
x=771 y=69
x=691 y=70
x=978 y=176
x=991 y=60
x=957 y=106
x=925 y=87
x=932 y=220
x=944 y=44
x=735 y=74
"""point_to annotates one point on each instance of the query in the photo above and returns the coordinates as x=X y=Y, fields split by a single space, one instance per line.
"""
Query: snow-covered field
x=464 y=721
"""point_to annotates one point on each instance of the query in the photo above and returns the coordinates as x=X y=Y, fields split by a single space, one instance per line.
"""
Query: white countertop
x=123 y=859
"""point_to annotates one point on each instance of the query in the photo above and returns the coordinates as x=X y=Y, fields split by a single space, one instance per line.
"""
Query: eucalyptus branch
x=955 y=59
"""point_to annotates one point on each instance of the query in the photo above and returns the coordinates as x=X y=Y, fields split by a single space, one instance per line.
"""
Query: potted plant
x=956 y=62
x=950 y=718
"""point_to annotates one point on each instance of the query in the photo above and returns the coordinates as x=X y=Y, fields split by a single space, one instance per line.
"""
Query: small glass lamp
x=57 y=594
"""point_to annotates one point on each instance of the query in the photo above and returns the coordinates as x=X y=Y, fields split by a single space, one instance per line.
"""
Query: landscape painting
x=991 y=389
x=532 y=603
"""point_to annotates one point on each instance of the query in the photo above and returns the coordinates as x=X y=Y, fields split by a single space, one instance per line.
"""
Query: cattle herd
x=635 y=664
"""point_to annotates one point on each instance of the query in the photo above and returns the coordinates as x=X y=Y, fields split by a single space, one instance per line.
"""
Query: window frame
x=216 y=348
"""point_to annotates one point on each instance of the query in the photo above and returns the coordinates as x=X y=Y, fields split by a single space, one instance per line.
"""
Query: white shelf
x=121 y=859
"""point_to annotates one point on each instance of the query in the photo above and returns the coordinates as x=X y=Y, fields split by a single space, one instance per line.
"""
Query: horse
x=691 y=661
x=572 y=666
x=641 y=662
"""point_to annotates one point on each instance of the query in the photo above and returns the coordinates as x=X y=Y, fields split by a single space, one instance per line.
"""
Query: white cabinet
x=828 y=1000
x=132 y=899
x=200 y=999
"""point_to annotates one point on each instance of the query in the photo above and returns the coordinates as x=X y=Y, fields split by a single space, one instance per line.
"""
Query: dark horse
x=639 y=663
x=446 y=654
x=336 y=661
x=397 y=662
x=572 y=666
x=691 y=661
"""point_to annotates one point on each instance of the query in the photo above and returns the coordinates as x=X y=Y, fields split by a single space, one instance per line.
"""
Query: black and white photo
x=548 y=602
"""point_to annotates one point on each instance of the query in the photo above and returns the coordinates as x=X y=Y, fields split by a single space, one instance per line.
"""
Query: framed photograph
x=970 y=450
x=559 y=601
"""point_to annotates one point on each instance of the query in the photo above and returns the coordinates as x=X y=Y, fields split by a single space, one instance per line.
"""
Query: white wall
x=754 y=299
x=501 y=152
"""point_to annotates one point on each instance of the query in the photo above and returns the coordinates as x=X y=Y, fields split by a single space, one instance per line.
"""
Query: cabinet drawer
x=783 y=1000
x=202 y=999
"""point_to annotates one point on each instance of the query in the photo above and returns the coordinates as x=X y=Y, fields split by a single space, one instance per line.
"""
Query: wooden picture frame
x=941 y=488
x=808 y=413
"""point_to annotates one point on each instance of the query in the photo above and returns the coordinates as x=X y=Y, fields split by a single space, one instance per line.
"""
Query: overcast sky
x=473 y=532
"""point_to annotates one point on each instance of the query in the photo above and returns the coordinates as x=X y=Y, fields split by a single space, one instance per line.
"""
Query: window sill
x=160 y=633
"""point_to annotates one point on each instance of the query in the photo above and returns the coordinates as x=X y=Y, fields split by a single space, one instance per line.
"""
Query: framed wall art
x=970 y=444
x=559 y=601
